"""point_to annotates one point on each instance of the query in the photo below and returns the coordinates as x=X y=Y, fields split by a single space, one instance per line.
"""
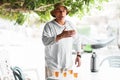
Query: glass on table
x=64 y=74
x=70 y=71
x=56 y=73
x=75 y=75
x=75 y=72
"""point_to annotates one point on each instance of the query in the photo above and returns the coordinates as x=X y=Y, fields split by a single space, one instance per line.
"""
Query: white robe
x=59 y=54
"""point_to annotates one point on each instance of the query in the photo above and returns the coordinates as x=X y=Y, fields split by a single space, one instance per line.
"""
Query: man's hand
x=78 y=61
x=65 y=34
x=68 y=33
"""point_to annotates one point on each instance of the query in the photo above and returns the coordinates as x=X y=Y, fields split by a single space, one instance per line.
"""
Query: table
x=104 y=73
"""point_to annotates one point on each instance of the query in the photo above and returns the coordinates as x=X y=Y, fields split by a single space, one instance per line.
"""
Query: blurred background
x=22 y=22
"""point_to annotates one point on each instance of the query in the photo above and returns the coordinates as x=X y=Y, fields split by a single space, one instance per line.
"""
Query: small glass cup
x=64 y=74
x=75 y=75
x=76 y=72
x=70 y=71
x=56 y=74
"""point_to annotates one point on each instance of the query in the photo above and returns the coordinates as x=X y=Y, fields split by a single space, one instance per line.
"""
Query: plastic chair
x=114 y=61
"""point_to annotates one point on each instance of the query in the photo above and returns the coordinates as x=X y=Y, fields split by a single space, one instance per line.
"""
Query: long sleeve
x=77 y=43
x=48 y=36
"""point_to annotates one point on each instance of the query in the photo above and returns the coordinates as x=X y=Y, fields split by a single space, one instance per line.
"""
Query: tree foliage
x=13 y=9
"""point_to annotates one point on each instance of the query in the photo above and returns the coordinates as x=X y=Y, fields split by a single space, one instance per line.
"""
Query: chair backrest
x=114 y=61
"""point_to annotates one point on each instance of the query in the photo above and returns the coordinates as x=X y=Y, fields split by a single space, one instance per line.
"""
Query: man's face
x=60 y=12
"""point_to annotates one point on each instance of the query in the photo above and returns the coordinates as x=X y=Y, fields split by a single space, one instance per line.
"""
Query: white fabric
x=58 y=54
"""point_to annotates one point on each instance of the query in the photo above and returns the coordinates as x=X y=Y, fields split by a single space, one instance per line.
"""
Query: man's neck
x=61 y=22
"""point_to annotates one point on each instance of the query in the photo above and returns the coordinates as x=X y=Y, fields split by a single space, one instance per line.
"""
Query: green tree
x=13 y=9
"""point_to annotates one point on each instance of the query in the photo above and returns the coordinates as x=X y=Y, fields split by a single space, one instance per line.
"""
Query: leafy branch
x=13 y=9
